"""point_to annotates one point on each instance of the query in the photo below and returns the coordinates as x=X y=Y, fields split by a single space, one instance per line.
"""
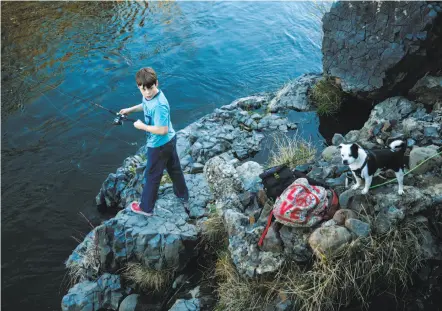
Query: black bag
x=276 y=179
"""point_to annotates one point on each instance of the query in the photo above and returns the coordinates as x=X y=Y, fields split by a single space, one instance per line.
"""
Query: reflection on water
x=57 y=149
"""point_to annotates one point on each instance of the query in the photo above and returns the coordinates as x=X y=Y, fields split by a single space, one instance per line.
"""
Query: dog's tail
x=398 y=146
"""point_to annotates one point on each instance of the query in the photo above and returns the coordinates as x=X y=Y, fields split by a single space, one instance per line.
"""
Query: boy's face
x=148 y=93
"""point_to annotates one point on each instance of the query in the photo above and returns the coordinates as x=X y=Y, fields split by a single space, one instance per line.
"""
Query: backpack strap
x=264 y=233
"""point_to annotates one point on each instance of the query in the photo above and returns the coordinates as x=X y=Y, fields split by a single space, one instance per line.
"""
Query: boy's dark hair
x=146 y=77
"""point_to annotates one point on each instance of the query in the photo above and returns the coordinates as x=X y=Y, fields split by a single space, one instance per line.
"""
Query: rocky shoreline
x=215 y=153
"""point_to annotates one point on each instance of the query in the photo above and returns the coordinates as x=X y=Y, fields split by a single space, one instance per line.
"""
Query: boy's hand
x=125 y=111
x=139 y=125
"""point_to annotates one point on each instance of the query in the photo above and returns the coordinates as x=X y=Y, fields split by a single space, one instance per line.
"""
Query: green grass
x=292 y=151
x=327 y=97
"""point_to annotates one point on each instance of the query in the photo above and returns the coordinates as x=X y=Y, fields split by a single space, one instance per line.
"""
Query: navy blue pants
x=158 y=159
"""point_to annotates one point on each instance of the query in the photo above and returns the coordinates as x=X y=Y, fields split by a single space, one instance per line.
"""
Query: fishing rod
x=118 y=120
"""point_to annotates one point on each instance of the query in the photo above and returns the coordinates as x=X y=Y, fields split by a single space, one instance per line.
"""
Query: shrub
x=291 y=151
x=147 y=278
x=327 y=97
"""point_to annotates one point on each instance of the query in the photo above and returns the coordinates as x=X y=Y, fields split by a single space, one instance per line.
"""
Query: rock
x=295 y=241
x=136 y=302
x=265 y=214
x=162 y=241
x=419 y=154
x=336 y=182
x=345 y=197
x=249 y=174
x=394 y=108
x=352 y=136
x=186 y=305
x=247 y=257
x=104 y=293
x=373 y=46
x=222 y=176
x=387 y=218
x=342 y=215
x=196 y=168
x=330 y=152
x=272 y=242
x=431 y=131
x=235 y=221
x=329 y=240
x=294 y=95
x=338 y=139
x=129 y=303
x=329 y=223
x=411 y=202
x=427 y=90
x=360 y=228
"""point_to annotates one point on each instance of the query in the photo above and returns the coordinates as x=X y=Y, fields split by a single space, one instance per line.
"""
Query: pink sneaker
x=135 y=207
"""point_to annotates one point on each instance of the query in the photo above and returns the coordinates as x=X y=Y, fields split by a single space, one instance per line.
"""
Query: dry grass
x=237 y=293
x=147 y=278
x=327 y=97
x=362 y=269
x=291 y=151
x=214 y=234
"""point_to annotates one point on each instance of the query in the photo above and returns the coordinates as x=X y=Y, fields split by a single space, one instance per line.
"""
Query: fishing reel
x=119 y=119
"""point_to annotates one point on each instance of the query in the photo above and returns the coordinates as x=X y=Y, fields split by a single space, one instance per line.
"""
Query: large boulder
x=427 y=90
x=162 y=241
x=420 y=154
x=104 y=293
x=294 y=95
x=414 y=200
x=295 y=242
x=329 y=241
x=381 y=48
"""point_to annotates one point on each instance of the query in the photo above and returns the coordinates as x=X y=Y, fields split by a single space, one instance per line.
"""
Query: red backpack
x=302 y=205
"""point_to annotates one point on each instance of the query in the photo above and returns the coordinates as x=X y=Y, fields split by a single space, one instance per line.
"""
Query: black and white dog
x=365 y=163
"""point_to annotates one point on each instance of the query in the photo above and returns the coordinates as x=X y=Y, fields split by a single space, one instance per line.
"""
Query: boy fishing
x=161 y=143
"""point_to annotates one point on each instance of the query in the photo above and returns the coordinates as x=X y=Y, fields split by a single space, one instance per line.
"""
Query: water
x=57 y=151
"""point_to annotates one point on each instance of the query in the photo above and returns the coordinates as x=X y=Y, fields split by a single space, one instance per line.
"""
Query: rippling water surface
x=57 y=149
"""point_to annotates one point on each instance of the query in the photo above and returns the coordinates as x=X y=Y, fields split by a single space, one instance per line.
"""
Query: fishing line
x=101 y=134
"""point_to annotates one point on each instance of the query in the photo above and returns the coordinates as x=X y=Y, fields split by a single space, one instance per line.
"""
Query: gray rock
x=295 y=241
x=342 y=215
x=104 y=293
x=431 y=131
x=338 y=139
x=427 y=90
x=130 y=303
x=223 y=177
x=345 y=197
x=419 y=154
x=352 y=136
x=196 y=168
x=329 y=240
x=186 y=305
x=249 y=174
x=360 y=228
x=330 y=152
x=369 y=45
x=294 y=95
x=272 y=242
x=413 y=200
x=336 y=182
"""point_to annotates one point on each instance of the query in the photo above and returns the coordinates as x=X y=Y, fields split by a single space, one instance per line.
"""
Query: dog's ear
x=354 y=150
